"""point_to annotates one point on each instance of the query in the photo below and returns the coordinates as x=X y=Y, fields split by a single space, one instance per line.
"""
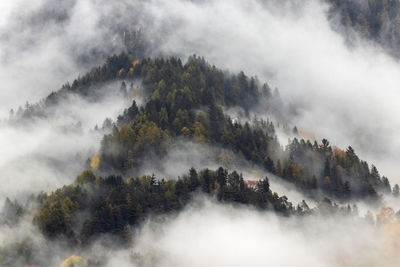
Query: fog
x=184 y=154
x=44 y=44
x=346 y=94
x=45 y=153
x=207 y=233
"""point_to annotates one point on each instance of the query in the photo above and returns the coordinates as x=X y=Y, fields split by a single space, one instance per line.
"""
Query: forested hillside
x=187 y=101
x=112 y=204
x=231 y=127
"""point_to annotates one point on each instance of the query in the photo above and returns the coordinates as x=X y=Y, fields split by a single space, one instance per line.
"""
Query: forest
x=121 y=197
x=188 y=101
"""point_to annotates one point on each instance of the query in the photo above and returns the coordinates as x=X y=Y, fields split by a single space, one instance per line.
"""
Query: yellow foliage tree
x=199 y=132
x=135 y=62
x=75 y=261
x=95 y=162
x=385 y=216
x=121 y=72
x=185 y=131
x=131 y=69
x=216 y=186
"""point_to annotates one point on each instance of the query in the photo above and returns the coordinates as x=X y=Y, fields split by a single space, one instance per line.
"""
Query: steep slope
x=188 y=101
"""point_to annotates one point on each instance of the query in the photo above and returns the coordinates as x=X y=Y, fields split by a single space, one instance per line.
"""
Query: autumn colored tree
x=95 y=162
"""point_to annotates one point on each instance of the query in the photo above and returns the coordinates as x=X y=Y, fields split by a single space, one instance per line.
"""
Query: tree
x=263 y=185
x=123 y=89
x=303 y=208
x=396 y=190
x=346 y=189
x=269 y=164
x=327 y=167
x=325 y=145
x=86 y=177
x=95 y=162
x=376 y=178
x=279 y=170
x=295 y=131
x=364 y=25
x=163 y=118
x=221 y=176
x=193 y=179
x=327 y=184
x=386 y=184
x=206 y=181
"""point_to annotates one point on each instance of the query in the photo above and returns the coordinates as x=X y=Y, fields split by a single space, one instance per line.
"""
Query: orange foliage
x=135 y=62
x=216 y=185
x=338 y=152
x=386 y=215
x=185 y=131
x=121 y=72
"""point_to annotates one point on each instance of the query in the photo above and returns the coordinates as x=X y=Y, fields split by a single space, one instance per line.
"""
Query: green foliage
x=123 y=148
x=186 y=100
x=108 y=205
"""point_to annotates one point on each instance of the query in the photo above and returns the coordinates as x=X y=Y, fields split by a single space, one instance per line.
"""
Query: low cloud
x=207 y=234
x=346 y=94
x=49 y=152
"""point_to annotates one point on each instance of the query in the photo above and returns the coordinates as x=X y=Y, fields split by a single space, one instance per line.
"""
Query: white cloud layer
x=348 y=95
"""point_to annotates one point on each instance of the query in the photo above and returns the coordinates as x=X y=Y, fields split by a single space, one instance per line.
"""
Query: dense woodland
x=111 y=204
x=93 y=206
x=188 y=101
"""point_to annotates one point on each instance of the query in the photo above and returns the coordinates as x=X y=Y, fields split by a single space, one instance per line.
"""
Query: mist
x=44 y=153
x=344 y=93
x=50 y=43
x=207 y=233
